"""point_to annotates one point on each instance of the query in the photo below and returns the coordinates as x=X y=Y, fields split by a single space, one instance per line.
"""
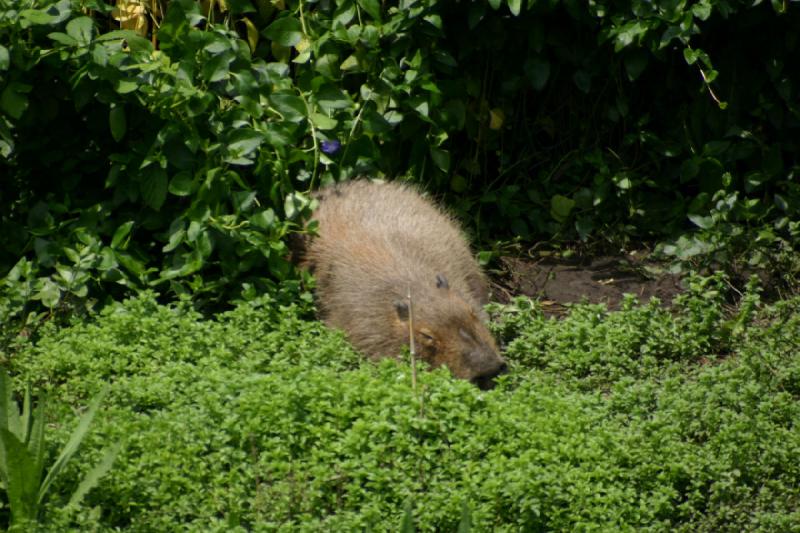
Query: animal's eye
x=426 y=337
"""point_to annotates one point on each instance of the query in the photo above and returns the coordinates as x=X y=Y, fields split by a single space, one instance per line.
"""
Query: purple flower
x=331 y=147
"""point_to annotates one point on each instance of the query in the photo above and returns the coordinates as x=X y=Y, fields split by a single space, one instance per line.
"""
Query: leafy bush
x=261 y=421
x=178 y=153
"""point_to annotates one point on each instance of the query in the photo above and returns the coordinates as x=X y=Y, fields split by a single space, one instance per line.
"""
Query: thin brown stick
x=411 y=346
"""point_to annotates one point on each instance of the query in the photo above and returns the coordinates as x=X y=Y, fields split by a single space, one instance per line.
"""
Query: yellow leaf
x=350 y=63
x=496 y=118
x=303 y=45
x=252 y=33
x=131 y=15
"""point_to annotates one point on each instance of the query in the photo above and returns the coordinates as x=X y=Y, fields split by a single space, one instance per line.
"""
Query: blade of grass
x=72 y=445
x=5 y=406
x=22 y=485
x=94 y=475
x=36 y=440
x=26 y=420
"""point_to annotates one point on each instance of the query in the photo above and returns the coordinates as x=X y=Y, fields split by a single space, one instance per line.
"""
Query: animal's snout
x=486 y=380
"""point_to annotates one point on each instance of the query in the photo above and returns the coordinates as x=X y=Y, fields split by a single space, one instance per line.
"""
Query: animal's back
x=386 y=231
x=378 y=241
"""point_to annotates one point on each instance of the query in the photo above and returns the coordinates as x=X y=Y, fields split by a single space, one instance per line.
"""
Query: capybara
x=375 y=242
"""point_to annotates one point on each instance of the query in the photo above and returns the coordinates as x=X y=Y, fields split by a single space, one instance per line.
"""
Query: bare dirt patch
x=557 y=282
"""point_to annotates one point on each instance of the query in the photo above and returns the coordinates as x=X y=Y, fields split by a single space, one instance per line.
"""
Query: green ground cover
x=259 y=420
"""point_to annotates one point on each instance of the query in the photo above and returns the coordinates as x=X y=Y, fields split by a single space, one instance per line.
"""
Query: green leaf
x=495 y=4
x=185 y=264
x=181 y=184
x=701 y=221
x=635 y=63
x=458 y=183
x=330 y=98
x=779 y=6
x=121 y=234
x=373 y=7
x=217 y=68
x=631 y=31
x=702 y=9
x=62 y=38
x=289 y=105
x=126 y=86
x=538 y=71
x=294 y=204
x=153 y=186
x=264 y=219
x=584 y=227
x=176 y=237
x=49 y=293
x=286 y=31
x=117 y=122
x=5 y=59
x=243 y=145
x=14 y=99
x=485 y=257
x=691 y=56
x=583 y=81
x=441 y=158
x=81 y=29
x=561 y=207
x=37 y=17
x=323 y=122
x=515 y=6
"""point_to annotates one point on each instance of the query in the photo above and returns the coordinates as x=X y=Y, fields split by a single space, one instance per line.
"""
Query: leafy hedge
x=177 y=153
x=261 y=421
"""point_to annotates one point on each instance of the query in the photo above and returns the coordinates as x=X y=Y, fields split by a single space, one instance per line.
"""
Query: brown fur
x=375 y=242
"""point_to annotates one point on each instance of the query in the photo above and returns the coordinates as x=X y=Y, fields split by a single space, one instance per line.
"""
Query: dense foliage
x=177 y=153
x=260 y=421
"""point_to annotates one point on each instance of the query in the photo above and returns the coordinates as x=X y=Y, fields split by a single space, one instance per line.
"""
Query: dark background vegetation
x=181 y=156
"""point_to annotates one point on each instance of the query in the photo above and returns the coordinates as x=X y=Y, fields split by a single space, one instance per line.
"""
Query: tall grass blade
x=35 y=442
x=21 y=483
x=7 y=404
x=465 y=525
x=25 y=421
x=72 y=445
x=94 y=475
x=407 y=525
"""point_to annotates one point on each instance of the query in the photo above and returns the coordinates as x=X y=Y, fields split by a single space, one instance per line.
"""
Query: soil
x=557 y=282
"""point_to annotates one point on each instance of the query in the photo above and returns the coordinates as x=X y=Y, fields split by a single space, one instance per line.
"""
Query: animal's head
x=448 y=331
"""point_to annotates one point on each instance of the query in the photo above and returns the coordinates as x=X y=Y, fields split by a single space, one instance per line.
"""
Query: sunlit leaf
x=286 y=31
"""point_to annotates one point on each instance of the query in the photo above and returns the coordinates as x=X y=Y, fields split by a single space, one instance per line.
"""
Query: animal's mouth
x=487 y=381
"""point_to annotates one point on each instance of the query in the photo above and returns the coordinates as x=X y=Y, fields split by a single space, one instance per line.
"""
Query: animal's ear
x=441 y=282
x=402 y=310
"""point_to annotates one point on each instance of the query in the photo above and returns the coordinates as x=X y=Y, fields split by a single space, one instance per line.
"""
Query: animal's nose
x=486 y=381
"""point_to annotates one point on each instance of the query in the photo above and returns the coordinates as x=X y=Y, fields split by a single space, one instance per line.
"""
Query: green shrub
x=258 y=420
x=181 y=156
